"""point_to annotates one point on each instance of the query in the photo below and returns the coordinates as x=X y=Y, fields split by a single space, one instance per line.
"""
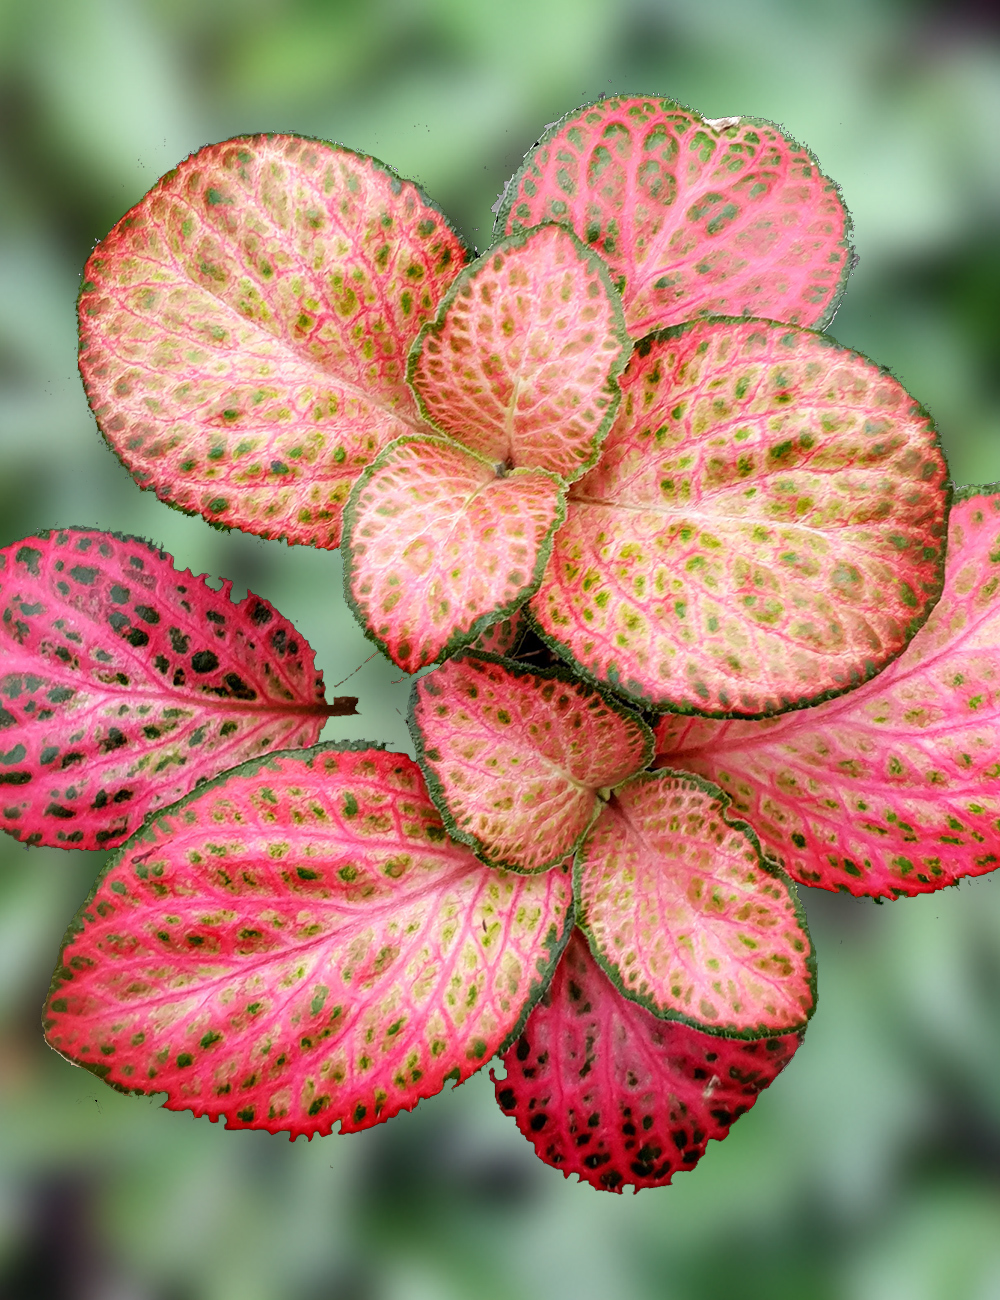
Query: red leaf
x=694 y=217
x=438 y=546
x=123 y=682
x=244 y=329
x=765 y=528
x=298 y=943
x=603 y=1089
x=687 y=917
x=514 y=759
x=503 y=637
x=892 y=789
x=521 y=365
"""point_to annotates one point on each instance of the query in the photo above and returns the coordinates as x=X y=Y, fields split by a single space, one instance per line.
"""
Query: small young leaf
x=687 y=917
x=514 y=759
x=694 y=217
x=299 y=943
x=244 y=329
x=438 y=546
x=521 y=364
x=124 y=682
x=766 y=526
x=604 y=1090
x=891 y=789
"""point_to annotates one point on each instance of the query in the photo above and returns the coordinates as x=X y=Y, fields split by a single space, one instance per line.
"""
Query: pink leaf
x=514 y=759
x=123 y=682
x=694 y=217
x=687 y=917
x=504 y=637
x=438 y=546
x=299 y=943
x=605 y=1090
x=244 y=329
x=892 y=789
x=766 y=525
x=521 y=364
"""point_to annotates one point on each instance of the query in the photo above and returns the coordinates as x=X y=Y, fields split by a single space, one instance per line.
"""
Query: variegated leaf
x=686 y=915
x=694 y=217
x=438 y=546
x=124 y=682
x=514 y=759
x=298 y=943
x=766 y=526
x=604 y=1090
x=521 y=364
x=892 y=789
x=244 y=329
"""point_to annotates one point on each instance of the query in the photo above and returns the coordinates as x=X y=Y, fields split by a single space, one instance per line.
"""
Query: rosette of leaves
x=702 y=622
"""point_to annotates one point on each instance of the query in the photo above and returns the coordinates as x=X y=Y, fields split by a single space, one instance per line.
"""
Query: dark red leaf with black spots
x=603 y=1089
x=124 y=682
x=299 y=943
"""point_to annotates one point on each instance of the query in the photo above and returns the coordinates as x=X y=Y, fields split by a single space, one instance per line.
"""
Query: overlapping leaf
x=244 y=329
x=515 y=759
x=687 y=917
x=439 y=546
x=299 y=943
x=605 y=1090
x=522 y=361
x=892 y=789
x=503 y=637
x=123 y=682
x=766 y=525
x=694 y=217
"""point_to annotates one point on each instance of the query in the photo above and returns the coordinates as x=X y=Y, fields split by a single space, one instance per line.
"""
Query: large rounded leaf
x=439 y=545
x=124 y=682
x=892 y=789
x=694 y=217
x=522 y=362
x=514 y=759
x=244 y=329
x=604 y=1090
x=766 y=526
x=687 y=917
x=299 y=943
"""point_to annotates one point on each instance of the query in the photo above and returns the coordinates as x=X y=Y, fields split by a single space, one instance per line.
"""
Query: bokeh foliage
x=871 y=1170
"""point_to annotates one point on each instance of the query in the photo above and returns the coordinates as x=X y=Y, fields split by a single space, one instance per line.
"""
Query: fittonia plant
x=679 y=558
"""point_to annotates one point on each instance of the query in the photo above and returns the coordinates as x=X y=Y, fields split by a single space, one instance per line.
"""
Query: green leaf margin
x=766 y=864
x=517 y=668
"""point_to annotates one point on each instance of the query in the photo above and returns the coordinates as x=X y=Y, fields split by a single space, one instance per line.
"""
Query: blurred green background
x=871 y=1170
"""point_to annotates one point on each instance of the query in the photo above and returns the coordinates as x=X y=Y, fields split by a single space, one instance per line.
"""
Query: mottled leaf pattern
x=687 y=917
x=123 y=682
x=694 y=217
x=244 y=329
x=504 y=636
x=892 y=789
x=766 y=525
x=298 y=944
x=439 y=546
x=604 y=1090
x=522 y=362
x=515 y=759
